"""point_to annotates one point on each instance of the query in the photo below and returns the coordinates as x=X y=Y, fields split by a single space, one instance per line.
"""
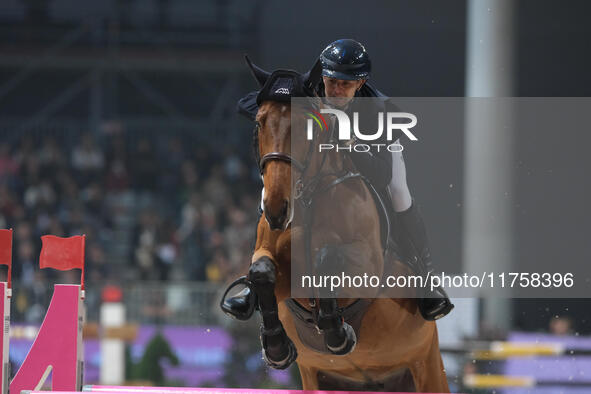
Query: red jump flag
x=6 y=252
x=6 y=247
x=63 y=253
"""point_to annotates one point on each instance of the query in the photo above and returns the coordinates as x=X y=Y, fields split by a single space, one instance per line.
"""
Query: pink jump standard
x=58 y=348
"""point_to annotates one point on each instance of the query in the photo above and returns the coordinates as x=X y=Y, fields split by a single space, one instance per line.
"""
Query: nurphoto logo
x=391 y=119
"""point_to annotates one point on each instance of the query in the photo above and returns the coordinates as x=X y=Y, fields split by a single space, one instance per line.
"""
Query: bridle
x=307 y=189
x=301 y=167
x=284 y=157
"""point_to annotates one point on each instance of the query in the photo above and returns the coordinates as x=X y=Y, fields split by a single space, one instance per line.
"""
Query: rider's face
x=340 y=91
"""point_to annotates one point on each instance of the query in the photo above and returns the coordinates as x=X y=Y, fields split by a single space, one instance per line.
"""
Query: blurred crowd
x=152 y=207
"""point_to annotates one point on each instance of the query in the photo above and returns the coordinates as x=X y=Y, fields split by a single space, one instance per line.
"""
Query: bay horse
x=322 y=205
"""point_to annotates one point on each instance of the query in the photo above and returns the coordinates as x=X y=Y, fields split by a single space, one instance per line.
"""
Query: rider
x=345 y=69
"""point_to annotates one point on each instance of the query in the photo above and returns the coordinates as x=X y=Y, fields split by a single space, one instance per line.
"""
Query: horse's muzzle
x=277 y=220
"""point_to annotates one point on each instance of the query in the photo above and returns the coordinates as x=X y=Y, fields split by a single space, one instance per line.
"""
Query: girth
x=306 y=326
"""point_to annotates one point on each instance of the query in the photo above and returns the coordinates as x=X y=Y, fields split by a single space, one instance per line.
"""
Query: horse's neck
x=333 y=163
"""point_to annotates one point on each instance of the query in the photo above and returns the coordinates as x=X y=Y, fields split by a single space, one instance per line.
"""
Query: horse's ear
x=259 y=74
x=312 y=77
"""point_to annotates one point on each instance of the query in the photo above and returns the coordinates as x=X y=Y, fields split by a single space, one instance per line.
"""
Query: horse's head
x=274 y=123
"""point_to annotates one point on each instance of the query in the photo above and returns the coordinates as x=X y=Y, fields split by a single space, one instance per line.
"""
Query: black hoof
x=348 y=343
x=278 y=357
x=242 y=305
x=432 y=313
x=286 y=362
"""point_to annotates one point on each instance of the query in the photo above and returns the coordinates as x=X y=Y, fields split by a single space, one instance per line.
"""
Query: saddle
x=385 y=209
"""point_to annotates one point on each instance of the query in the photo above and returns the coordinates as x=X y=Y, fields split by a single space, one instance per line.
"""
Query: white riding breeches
x=401 y=198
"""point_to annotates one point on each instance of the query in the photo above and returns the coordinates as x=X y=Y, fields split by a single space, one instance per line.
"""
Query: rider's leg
x=411 y=235
x=241 y=305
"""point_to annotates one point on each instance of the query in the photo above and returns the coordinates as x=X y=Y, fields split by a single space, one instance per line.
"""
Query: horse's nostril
x=277 y=219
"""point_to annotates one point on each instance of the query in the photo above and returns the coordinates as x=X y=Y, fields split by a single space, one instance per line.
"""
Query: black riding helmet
x=345 y=59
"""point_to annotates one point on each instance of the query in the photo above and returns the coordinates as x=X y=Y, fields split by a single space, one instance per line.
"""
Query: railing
x=177 y=22
x=175 y=303
x=68 y=130
x=180 y=303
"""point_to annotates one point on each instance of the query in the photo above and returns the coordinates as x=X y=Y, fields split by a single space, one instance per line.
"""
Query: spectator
x=561 y=325
x=8 y=165
x=26 y=262
x=97 y=268
x=117 y=179
x=87 y=160
x=219 y=268
x=171 y=163
x=51 y=158
x=145 y=166
x=196 y=210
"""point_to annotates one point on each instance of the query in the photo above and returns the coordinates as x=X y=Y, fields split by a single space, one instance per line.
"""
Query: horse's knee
x=262 y=271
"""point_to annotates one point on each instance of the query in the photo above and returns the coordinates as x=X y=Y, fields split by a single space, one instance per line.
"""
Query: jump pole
x=187 y=390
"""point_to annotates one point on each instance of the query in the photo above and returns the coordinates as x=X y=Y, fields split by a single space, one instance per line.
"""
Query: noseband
x=286 y=158
x=279 y=156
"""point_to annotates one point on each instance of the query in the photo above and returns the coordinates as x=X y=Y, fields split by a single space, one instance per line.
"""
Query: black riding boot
x=242 y=305
x=412 y=238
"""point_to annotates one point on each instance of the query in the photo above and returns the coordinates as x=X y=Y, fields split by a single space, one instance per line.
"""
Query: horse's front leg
x=339 y=336
x=278 y=350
